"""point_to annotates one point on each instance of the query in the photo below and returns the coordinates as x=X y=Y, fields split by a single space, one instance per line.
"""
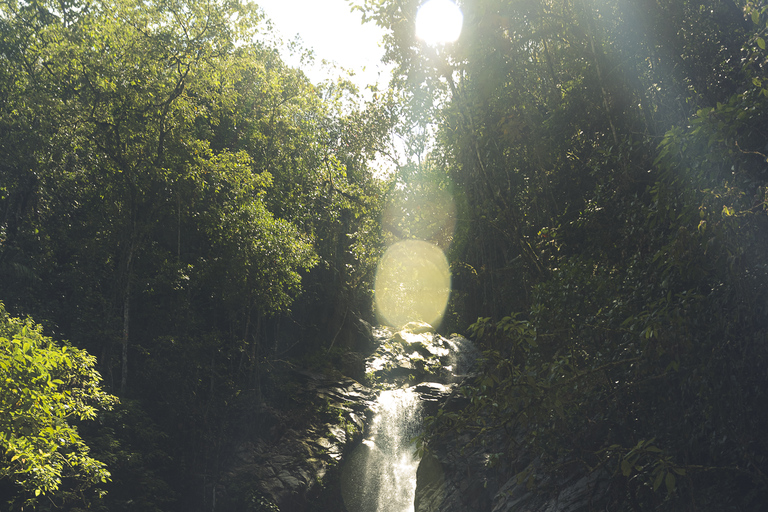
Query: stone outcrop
x=288 y=473
x=459 y=475
x=455 y=477
x=456 y=480
x=417 y=354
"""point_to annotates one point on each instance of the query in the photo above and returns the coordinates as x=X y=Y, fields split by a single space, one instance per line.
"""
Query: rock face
x=452 y=478
x=288 y=473
x=460 y=476
x=464 y=483
x=455 y=477
x=416 y=354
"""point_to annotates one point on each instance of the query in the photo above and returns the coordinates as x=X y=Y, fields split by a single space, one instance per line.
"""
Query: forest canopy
x=199 y=217
x=610 y=253
x=160 y=187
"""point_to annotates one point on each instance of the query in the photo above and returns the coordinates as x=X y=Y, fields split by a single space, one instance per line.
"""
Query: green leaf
x=761 y=43
x=670 y=483
x=39 y=409
x=626 y=467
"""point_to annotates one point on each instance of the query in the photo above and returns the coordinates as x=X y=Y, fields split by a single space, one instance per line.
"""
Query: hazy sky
x=333 y=31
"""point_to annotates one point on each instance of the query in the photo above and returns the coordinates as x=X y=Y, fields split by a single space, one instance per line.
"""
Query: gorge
x=356 y=453
x=359 y=448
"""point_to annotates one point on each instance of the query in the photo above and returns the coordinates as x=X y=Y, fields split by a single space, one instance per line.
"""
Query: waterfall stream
x=416 y=365
x=392 y=471
x=381 y=474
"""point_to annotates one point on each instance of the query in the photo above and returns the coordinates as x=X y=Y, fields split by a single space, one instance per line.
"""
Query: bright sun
x=439 y=22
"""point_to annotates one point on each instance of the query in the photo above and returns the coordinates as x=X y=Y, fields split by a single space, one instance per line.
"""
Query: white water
x=381 y=476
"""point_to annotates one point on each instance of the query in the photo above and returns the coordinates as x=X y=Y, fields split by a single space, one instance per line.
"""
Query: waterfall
x=381 y=475
x=419 y=367
x=463 y=355
x=392 y=472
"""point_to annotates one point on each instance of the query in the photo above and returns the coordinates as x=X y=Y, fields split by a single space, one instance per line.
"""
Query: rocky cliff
x=299 y=466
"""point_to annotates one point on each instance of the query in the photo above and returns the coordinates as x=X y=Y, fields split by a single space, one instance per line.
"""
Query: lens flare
x=439 y=22
x=413 y=282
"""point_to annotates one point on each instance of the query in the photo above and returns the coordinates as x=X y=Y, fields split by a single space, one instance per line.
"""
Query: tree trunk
x=126 y=320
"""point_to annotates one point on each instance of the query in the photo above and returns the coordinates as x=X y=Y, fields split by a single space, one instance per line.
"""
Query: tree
x=168 y=189
x=611 y=158
x=46 y=388
x=553 y=107
x=130 y=95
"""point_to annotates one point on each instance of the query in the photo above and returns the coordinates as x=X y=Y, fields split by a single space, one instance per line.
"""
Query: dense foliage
x=168 y=189
x=46 y=388
x=612 y=160
x=191 y=211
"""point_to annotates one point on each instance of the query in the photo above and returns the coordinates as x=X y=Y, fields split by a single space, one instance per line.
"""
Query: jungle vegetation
x=181 y=213
x=610 y=255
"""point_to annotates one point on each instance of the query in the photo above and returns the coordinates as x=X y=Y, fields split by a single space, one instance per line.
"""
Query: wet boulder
x=417 y=354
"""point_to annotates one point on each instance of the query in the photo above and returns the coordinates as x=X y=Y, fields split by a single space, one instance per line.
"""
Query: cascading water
x=419 y=367
x=381 y=477
x=393 y=471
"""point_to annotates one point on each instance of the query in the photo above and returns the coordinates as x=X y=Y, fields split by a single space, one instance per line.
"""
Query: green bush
x=45 y=388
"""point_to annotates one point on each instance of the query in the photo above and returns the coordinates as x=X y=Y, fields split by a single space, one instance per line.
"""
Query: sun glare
x=439 y=22
x=413 y=283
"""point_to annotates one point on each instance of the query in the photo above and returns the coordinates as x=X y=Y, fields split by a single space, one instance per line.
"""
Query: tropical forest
x=529 y=273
